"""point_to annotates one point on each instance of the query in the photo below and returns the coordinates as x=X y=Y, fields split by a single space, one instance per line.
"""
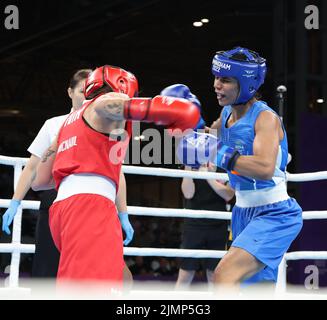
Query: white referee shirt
x=46 y=135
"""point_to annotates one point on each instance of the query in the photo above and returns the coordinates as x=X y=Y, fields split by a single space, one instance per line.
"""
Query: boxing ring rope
x=16 y=248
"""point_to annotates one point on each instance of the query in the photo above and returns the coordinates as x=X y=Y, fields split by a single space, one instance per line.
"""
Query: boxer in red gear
x=92 y=227
x=83 y=218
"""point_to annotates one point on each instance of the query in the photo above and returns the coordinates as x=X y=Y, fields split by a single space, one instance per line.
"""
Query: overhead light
x=320 y=100
x=204 y=20
x=197 y=24
x=138 y=138
x=9 y=112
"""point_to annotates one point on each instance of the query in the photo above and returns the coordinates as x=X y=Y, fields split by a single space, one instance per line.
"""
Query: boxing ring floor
x=17 y=288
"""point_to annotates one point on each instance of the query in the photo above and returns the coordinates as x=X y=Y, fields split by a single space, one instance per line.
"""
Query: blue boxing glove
x=9 y=215
x=198 y=148
x=183 y=91
x=127 y=227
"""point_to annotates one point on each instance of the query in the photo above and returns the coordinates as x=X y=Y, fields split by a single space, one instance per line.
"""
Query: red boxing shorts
x=87 y=232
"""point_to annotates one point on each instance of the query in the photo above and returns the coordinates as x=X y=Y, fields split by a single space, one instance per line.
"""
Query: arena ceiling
x=154 y=39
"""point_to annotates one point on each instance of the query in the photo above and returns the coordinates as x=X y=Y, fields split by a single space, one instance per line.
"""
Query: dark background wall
x=158 y=43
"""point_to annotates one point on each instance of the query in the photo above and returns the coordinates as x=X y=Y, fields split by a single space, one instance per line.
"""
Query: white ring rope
x=171 y=252
x=309 y=255
x=175 y=173
x=16 y=247
x=305 y=177
x=168 y=212
x=182 y=253
x=173 y=213
x=12 y=161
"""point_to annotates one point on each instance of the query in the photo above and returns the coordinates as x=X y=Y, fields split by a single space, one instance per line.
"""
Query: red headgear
x=117 y=79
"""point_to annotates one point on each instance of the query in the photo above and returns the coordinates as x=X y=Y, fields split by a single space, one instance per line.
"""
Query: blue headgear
x=244 y=65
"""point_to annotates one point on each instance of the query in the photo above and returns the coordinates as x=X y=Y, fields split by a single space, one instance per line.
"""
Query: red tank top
x=81 y=149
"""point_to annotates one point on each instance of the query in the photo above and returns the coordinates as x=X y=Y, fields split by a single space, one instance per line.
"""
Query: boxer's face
x=227 y=90
x=77 y=95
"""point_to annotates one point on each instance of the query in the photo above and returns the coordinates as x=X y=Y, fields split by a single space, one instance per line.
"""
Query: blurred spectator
x=139 y=267
x=210 y=234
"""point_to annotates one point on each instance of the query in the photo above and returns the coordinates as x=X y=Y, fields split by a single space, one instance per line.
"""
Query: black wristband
x=232 y=161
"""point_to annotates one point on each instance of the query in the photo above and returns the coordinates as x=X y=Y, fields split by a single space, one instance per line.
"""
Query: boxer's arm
x=44 y=179
x=216 y=126
x=188 y=186
x=261 y=165
x=121 y=202
x=26 y=178
x=175 y=113
x=23 y=185
x=110 y=105
x=223 y=190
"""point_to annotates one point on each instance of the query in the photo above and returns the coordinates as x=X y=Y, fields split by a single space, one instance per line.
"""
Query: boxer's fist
x=180 y=91
x=198 y=148
x=183 y=91
x=174 y=113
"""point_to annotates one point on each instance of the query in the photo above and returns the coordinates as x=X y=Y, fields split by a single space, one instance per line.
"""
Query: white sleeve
x=41 y=142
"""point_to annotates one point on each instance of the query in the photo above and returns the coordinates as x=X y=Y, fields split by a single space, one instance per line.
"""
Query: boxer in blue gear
x=252 y=147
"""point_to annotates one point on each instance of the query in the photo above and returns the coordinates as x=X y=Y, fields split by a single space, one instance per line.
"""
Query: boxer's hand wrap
x=226 y=157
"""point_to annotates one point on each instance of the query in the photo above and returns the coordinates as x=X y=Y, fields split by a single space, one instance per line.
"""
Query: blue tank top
x=241 y=136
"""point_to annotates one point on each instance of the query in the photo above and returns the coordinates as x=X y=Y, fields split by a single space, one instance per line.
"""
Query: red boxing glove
x=175 y=113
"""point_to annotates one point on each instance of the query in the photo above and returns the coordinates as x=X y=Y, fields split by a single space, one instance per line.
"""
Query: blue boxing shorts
x=266 y=232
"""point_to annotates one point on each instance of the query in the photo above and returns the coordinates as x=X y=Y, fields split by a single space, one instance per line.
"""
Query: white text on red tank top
x=67 y=144
x=73 y=117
